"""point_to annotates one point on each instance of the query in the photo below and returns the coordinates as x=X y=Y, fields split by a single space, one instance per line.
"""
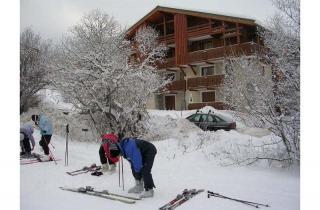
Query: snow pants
x=148 y=153
x=103 y=158
x=25 y=145
x=44 y=143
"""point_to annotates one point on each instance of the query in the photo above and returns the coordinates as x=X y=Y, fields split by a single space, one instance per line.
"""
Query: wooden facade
x=196 y=38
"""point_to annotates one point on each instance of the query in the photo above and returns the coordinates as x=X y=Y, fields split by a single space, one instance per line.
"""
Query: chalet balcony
x=168 y=39
x=175 y=86
x=167 y=63
x=199 y=30
x=248 y=48
x=216 y=105
x=205 y=82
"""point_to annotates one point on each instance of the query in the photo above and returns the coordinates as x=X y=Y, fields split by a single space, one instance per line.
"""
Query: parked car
x=211 y=122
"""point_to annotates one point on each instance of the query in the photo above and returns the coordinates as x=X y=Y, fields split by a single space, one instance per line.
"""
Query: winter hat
x=34 y=117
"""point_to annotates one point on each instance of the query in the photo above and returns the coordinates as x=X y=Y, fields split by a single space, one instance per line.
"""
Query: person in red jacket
x=108 y=163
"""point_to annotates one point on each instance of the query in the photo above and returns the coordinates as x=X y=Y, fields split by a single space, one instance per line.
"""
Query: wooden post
x=180 y=38
x=238 y=33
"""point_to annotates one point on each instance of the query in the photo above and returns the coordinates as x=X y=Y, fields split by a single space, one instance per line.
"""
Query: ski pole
x=119 y=172
x=122 y=173
x=66 y=152
x=238 y=200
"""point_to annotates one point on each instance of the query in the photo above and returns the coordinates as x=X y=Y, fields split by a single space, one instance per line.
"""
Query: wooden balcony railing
x=178 y=85
x=168 y=62
x=169 y=38
x=205 y=82
x=247 y=48
x=203 y=55
x=199 y=30
x=216 y=105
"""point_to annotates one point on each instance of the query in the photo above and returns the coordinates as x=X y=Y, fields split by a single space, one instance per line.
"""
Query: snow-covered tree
x=94 y=72
x=34 y=55
x=272 y=104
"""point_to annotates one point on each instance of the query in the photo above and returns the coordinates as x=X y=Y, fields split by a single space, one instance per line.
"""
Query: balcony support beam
x=193 y=70
x=181 y=68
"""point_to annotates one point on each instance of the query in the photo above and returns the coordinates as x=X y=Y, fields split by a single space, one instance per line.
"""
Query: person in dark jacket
x=108 y=163
x=26 y=137
x=46 y=131
x=140 y=154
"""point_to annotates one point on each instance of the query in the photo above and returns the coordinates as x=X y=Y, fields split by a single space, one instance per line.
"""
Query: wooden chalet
x=198 y=42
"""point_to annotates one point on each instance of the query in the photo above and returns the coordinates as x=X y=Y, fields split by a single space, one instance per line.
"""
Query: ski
x=89 y=191
x=181 y=198
x=84 y=170
x=249 y=203
x=32 y=161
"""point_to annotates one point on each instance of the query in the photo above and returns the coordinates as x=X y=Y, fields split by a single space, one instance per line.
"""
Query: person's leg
x=103 y=159
x=44 y=143
x=102 y=155
x=22 y=152
x=138 y=188
x=146 y=171
x=26 y=145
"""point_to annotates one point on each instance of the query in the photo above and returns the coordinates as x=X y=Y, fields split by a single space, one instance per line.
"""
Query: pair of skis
x=249 y=203
x=86 y=169
x=88 y=190
x=181 y=198
x=33 y=158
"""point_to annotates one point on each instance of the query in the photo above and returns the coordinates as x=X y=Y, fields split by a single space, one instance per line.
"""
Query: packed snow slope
x=187 y=158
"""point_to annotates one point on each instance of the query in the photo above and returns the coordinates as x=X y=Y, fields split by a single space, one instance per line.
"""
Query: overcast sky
x=52 y=18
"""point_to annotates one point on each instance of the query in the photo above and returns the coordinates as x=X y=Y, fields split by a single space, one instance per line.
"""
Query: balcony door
x=170 y=102
x=208 y=96
x=207 y=71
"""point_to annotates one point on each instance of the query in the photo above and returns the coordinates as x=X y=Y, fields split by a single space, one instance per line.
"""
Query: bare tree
x=93 y=72
x=272 y=104
x=34 y=55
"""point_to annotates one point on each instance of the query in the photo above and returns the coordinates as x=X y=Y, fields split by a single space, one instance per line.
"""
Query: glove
x=97 y=173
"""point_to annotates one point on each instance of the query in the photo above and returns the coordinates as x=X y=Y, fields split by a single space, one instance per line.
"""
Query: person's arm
x=133 y=152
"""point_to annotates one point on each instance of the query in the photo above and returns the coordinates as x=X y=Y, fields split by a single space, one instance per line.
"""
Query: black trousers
x=44 y=143
x=25 y=147
x=102 y=156
x=147 y=162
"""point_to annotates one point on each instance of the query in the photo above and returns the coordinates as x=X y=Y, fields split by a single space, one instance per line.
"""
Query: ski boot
x=138 y=188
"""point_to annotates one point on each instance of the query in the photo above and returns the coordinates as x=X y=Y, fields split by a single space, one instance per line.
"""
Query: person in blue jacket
x=140 y=154
x=46 y=131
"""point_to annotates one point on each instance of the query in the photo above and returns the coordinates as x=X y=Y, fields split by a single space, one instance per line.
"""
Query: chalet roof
x=204 y=14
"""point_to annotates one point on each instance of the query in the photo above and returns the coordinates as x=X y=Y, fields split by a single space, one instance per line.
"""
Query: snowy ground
x=179 y=164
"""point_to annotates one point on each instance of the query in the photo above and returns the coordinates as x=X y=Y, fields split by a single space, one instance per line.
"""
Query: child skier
x=46 y=130
x=140 y=154
x=26 y=136
x=108 y=163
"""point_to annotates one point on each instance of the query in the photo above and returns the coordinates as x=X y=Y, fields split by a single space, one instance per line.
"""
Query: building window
x=208 y=96
x=208 y=70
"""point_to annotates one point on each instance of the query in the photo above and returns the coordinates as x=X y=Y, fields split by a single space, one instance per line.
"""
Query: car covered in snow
x=211 y=122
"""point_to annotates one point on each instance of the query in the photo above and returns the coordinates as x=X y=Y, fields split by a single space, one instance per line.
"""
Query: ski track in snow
x=40 y=182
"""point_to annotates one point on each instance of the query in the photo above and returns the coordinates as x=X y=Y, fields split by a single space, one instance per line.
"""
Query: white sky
x=52 y=18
